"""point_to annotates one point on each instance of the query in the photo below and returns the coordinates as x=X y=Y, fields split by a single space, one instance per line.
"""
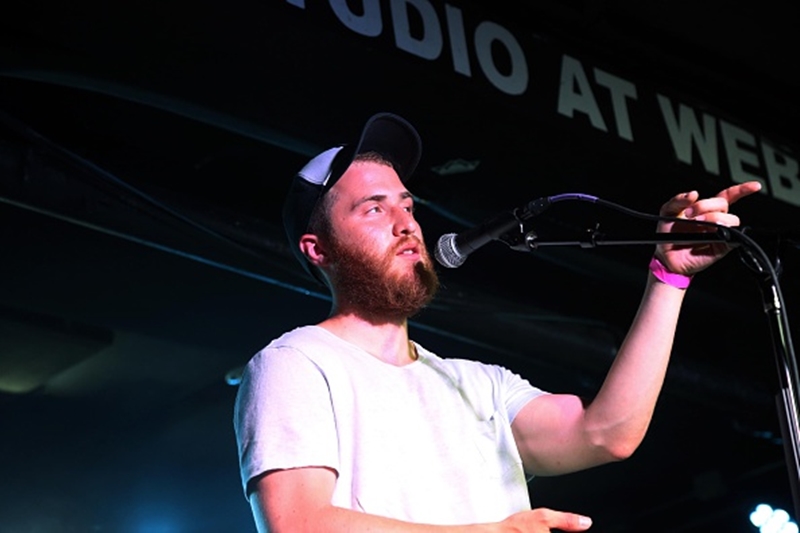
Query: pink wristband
x=665 y=276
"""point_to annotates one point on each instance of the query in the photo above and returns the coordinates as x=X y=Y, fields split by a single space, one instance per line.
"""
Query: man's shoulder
x=303 y=349
x=297 y=338
x=459 y=367
x=310 y=341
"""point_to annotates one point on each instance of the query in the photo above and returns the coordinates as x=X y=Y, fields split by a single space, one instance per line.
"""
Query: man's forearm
x=332 y=519
x=624 y=405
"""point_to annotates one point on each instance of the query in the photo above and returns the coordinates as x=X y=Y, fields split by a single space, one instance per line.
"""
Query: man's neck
x=385 y=339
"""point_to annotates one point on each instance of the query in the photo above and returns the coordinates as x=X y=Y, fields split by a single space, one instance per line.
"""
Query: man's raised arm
x=559 y=433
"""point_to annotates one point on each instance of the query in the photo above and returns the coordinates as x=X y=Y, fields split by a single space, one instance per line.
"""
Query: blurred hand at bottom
x=543 y=520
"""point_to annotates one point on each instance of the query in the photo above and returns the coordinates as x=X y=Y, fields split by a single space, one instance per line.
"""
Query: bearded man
x=349 y=426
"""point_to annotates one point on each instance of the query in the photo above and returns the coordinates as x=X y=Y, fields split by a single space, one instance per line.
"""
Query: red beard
x=368 y=284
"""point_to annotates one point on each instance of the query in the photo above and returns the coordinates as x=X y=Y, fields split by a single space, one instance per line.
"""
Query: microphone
x=452 y=249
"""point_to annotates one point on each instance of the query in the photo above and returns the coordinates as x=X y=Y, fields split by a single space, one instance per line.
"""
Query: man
x=349 y=426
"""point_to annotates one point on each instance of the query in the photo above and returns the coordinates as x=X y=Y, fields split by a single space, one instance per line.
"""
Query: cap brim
x=395 y=139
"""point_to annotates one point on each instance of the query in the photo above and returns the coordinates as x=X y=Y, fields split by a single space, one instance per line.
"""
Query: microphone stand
x=786 y=398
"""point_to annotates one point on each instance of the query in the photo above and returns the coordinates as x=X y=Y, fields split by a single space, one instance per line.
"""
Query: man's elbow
x=621 y=447
x=619 y=451
x=612 y=446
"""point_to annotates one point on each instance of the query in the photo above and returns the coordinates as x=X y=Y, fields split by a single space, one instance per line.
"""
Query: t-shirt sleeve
x=283 y=416
x=517 y=392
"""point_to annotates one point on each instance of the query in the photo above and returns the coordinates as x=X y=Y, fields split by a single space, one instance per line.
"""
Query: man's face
x=378 y=261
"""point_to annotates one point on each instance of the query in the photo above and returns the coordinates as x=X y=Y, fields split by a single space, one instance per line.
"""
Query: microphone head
x=447 y=253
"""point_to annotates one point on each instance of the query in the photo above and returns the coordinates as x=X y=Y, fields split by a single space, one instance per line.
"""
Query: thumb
x=563 y=521
x=678 y=203
x=572 y=522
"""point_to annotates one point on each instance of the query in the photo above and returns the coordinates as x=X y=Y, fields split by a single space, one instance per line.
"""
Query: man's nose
x=405 y=223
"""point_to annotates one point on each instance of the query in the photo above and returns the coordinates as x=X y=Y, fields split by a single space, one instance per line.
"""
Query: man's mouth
x=409 y=249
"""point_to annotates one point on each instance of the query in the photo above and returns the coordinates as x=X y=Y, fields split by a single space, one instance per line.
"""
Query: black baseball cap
x=389 y=135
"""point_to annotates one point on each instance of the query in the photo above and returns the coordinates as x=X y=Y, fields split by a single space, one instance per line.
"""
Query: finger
x=706 y=205
x=721 y=219
x=737 y=192
x=572 y=522
x=564 y=521
x=678 y=203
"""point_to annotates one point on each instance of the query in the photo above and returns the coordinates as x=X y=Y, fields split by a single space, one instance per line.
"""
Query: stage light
x=234 y=376
x=769 y=520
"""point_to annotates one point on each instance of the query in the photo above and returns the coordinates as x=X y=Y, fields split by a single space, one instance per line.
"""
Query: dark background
x=144 y=152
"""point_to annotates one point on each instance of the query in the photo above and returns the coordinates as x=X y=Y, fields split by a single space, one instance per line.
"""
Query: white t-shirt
x=428 y=442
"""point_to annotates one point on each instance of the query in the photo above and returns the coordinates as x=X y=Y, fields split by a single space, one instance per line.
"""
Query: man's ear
x=314 y=250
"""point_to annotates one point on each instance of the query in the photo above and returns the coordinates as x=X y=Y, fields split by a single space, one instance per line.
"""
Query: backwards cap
x=389 y=135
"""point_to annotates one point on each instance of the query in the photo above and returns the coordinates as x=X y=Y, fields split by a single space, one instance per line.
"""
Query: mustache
x=408 y=239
